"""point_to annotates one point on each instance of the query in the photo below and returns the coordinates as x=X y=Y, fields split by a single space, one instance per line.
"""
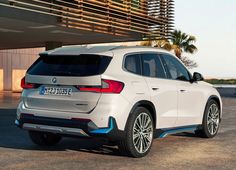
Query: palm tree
x=182 y=42
x=179 y=42
x=164 y=44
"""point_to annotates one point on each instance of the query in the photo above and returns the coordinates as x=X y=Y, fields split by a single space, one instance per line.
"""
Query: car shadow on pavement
x=12 y=137
x=186 y=135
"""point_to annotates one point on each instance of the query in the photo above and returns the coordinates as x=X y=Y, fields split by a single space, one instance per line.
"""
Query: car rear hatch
x=54 y=82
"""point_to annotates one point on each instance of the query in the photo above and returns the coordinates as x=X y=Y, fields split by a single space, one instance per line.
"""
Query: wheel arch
x=146 y=104
x=216 y=99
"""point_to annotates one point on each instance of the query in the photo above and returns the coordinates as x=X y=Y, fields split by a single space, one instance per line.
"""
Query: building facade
x=33 y=23
x=52 y=23
x=13 y=65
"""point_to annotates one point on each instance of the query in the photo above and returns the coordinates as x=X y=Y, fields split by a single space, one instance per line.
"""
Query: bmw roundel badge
x=54 y=80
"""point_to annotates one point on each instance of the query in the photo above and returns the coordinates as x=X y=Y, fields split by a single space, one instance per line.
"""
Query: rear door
x=58 y=79
x=190 y=95
x=163 y=91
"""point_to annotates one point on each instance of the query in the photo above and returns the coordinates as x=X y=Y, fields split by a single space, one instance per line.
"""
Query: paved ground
x=183 y=151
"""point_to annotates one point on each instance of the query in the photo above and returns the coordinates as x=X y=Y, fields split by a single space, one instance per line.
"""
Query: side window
x=132 y=64
x=176 y=69
x=152 y=66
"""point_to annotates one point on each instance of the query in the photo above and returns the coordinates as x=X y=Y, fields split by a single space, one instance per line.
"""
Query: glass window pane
x=82 y=65
x=132 y=64
x=152 y=66
x=176 y=69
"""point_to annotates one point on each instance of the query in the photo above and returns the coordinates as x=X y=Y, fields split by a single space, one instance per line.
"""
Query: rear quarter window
x=133 y=64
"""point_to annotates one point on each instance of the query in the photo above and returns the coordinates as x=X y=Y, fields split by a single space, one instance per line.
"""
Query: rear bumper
x=72 y=127
x=109 y=105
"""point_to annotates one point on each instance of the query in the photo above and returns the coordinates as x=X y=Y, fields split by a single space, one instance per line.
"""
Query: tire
x=134 y=135
x=211 y=120
x=44 y=138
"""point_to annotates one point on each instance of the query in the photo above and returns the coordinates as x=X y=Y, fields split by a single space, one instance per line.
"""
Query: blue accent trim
x=104 y=130
x=17 y=123
x=178 y=130
x=42 y=91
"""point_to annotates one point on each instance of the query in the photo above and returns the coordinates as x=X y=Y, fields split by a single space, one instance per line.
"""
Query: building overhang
x=25 y=29
x=25 y=24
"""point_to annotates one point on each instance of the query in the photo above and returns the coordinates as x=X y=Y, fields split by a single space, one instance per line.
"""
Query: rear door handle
x=155 y=88
x=183 y=91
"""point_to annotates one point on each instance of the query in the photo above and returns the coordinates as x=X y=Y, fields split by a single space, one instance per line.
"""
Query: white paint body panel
x=164 y=97
x=173 y=107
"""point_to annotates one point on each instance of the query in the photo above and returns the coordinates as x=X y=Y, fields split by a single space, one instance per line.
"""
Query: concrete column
x=50 y=45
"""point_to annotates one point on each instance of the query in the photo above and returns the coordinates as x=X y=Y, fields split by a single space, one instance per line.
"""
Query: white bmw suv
x=129 y=95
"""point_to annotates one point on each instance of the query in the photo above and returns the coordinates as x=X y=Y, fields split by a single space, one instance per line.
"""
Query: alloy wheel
x=213 y=119
x=142 y=132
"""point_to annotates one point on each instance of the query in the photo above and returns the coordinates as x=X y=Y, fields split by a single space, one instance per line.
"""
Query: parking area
x=182 y=151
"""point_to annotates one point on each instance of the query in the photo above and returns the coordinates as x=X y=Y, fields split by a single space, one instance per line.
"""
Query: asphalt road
x=182 y=151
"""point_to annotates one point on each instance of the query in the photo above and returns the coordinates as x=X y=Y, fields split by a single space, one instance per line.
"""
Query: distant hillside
x=221 y=81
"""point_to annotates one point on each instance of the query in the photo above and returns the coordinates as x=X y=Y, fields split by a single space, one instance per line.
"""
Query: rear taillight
x=108 y=86
x=25 y=85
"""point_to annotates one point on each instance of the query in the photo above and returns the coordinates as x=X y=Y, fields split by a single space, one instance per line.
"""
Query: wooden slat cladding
x=148 y=18
x=164 y=10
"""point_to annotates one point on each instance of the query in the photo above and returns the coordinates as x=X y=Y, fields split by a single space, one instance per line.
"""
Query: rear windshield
x=82 y=65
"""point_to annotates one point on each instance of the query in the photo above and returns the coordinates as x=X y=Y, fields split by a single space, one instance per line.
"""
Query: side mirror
x=197 y=77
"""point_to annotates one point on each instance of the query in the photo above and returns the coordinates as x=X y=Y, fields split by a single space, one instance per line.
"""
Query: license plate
x=58 y=91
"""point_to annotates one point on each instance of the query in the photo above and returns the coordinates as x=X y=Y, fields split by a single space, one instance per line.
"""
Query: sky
x=213 y=22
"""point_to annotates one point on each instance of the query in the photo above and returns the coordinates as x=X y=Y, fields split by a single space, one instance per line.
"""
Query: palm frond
x=184 y=42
